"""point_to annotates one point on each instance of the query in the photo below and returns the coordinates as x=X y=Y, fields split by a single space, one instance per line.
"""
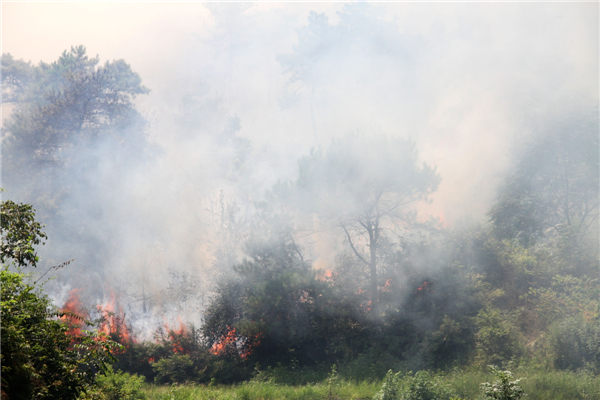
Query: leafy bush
x=575 y=344
x=120 y=386
x=422 y=386
x=503 y=388
x=175 y=369
x=497 y=337
x=39 y=358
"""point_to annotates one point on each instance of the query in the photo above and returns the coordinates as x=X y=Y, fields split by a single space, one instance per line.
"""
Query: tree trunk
x=373 y=268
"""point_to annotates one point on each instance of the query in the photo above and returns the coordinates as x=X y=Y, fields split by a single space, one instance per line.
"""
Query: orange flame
x=244 y=346
x=219 y=347
x=175 y=335
x=77 y=314
x=387 y=287
x=325 y=275
x=424 y=288
x=113 y=321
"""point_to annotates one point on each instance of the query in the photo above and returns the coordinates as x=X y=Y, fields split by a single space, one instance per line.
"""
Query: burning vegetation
x=217 y=237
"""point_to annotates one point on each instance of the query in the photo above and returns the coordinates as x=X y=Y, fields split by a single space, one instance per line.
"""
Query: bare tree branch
x=352 y=245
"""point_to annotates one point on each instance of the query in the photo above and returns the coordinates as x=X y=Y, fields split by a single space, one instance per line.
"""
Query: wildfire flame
x=325 y=275
x=387 y=287
x=176 y=336
x=220 y=346
x=113 y=321
x=76 y=313
x=424 y=288
x=244 y=346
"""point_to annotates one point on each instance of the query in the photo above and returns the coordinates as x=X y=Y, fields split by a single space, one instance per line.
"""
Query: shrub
x=120 y=386
x=503 y=388
x=175 y=369
x=39 y=358
x=575 y=344
x=422 y=386
x=497 y=337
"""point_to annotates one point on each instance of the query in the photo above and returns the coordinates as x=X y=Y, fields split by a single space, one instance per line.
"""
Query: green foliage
x=497 y=337
x=176 y=357
x=273 y=310
x=391 y=387
x=262 y=391
x=20 y=232
x=333 y=381
x=177 y=368
x=67 y=116
x=118 y=386
x=449 y=345
x=70 y=100
x=566 y=296
x=39 y=358
x=575 y=344
x=286 y=375
x=503 y=388
x=16 y=75
x=372 y=365
x=421 y=386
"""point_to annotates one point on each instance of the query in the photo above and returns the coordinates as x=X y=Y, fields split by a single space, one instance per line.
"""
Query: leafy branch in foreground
x=40 y=355
x=20 y=232
x=39 y=358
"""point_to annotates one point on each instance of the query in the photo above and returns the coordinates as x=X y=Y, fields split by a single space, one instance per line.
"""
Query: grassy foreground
x=539 y=385
x=262 y=390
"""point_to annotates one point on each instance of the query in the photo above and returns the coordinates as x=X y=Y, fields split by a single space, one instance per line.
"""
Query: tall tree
x=73 y=123
x=365 y=186
x=61 y=108
x=555 y=185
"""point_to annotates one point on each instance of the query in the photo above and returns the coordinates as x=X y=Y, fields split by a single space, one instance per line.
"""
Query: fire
x=220 y=346
x=387 y=287
x=176 y=336
x=442 y=219
x=77 y=314
x=325 y=275
x=424 y=288
x=244 y=346
x=113 y=321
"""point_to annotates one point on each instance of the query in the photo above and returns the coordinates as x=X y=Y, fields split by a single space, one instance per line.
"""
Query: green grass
x=264 y=391
x=539 y=385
